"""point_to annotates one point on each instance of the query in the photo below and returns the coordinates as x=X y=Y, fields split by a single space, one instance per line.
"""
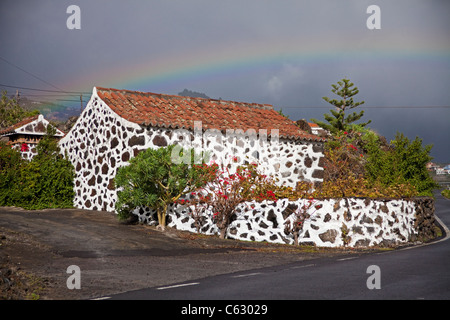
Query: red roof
x=12 y=128
x=170 y=111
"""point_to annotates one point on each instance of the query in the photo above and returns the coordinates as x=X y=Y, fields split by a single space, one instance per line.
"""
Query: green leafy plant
x=402 y=162
x=152 y=179
x=359 y=162
x=446 y=193
x=11 y=112
x=338 y=120
x=10 y=168
x=44 y=182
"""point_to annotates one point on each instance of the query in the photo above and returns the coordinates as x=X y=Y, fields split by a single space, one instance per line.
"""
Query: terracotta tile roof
x=170 y=111
x=12 y=128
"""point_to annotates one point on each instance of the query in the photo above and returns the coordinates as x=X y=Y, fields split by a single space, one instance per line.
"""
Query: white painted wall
x=369 y=222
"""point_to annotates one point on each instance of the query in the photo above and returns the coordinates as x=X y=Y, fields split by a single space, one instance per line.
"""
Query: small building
x=117 y=124
x=315 y=129
x=312 y=128
x=26 y=134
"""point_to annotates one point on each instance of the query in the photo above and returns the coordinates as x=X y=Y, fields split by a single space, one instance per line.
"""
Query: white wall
x=369 y=222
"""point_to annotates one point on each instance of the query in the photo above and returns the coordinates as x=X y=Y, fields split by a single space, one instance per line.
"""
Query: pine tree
x=338 y=121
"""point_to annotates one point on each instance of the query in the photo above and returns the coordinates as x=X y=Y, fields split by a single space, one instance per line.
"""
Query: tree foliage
x=362 y=163
x=11 y=112
x=152 y=179
x=338 y=120
x=358 y=158
x=44 y=182
x=403 y=162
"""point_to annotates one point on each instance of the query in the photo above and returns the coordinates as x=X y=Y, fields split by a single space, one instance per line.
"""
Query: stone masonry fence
x=352 y=222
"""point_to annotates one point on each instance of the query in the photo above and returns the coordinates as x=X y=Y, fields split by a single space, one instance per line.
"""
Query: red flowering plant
x=197 y=205
x=228 y=189
x=344 y=165
x=294 y=223
x=197 y=201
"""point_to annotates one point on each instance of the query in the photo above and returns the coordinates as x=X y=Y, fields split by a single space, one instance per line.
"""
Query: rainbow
x=211 y=63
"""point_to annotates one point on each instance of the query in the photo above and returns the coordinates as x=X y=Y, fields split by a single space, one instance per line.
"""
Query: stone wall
x=98 y=143
x=355 y=222
x=101 y=141
x=425 y=222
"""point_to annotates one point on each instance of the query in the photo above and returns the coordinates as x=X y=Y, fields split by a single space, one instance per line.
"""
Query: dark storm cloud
x=406 y=63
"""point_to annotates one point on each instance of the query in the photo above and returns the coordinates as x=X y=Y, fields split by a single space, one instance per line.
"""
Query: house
x=315 y=129
x=443 y=170
x=312 y=128
x=26 y=134
x=431 y=166
x=117 y=124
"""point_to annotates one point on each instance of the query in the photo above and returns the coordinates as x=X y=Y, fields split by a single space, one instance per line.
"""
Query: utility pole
x=17 y=96
x=81 y=102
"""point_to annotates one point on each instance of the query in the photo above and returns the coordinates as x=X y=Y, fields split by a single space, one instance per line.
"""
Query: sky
x=286 y=53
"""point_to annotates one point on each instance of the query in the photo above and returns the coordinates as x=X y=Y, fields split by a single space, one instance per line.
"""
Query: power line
x=29 y=73
x=298 y=107
x=374 y=107
x=43 y=90
x=52 y=94
x=406 y=107
x=70 y=100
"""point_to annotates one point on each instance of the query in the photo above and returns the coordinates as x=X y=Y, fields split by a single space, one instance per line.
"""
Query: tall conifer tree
x=338 y=121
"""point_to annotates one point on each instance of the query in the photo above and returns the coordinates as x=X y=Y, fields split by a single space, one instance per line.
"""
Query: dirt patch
x=15 y=283
x=37 y=247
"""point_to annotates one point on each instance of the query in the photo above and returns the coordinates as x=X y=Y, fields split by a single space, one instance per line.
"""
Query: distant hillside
x=51 y=111
x=193 y=94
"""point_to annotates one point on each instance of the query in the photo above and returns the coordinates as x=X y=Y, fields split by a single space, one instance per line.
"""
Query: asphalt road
x=419 y=272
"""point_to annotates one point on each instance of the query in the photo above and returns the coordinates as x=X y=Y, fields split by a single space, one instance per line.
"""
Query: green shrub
x=10 y=168
x=446 y=193
x=396 y=166
x=152 y=179
x=361 y=156
x=403 y=162
x=11 y=112
x=44 y=182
